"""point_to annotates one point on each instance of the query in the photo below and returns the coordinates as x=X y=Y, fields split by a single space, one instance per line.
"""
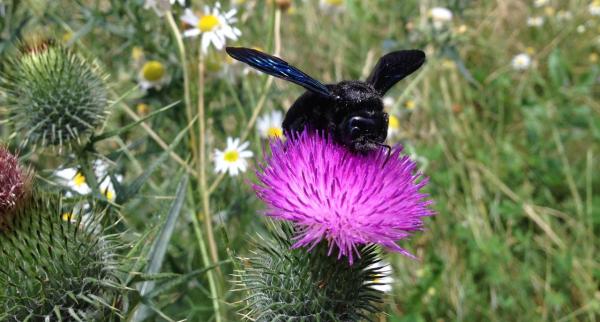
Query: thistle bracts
x=54 y=96
x=14 y=183
x=56 y=265
x=284 y=284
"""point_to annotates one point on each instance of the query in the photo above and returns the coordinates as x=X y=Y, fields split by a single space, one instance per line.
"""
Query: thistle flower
x=54 y=96
x=269 y=125
x=214 y=26
x=13 y=181
x=53 y=270
x=295 y=285
x=345 y=198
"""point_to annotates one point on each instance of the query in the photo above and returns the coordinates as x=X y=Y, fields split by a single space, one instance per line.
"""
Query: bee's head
x=361 y=122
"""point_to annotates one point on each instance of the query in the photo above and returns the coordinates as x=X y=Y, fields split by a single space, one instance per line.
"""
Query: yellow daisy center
x=410 y=104
x=231 y=156
x=208 y=23
x=109 y=194
x=334 y=2
x=79 y=179
x=67 y=216
x=275 y=132
x=153 y=71
x=142 y=108
x=394 y=123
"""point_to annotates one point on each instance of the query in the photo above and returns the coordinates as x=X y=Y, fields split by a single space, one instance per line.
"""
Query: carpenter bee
x=352 y=111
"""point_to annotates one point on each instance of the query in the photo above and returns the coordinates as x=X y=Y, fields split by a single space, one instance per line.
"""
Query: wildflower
x=388 y=102
x=440 y=16
x=347 y=199
x=549 y=11
x=535 y=21
x=55 y=96
x=269 y=125
x=137 y=54
x=142 y=109
x=594 y=8
x=76 y=182
x=332 y=6
x=13 y=181
x=410 y=104
x=233 y=159
x=153 y=74
x=162 y=6
x=393 y=126
x=540 y=3
x=580 y=29
x=214 y=26
x=384 y=281
x=521 y=62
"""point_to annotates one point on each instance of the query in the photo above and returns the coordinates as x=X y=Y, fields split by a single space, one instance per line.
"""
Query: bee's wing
x=277 y=67
x=393 y=67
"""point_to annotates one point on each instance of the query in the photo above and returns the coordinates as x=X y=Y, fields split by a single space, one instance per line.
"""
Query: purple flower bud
x=12 y=181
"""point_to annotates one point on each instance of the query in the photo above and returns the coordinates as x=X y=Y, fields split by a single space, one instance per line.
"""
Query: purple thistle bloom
x=343 y=197
x=12 y=181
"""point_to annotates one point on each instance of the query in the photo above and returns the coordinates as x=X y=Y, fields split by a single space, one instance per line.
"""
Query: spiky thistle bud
x=56 y=267
x=284 y=284
x=54 y=95
x=14 y=182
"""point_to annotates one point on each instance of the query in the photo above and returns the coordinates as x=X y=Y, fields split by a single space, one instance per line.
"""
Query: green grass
x=512 y=156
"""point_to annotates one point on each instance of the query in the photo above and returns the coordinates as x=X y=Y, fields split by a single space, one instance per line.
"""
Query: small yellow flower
x=142 y=109
x=137 y=53
x=79 y=179
x=530 y=50
x=66 y=37
x=67 y=216
x=393 y=126
x=593 y=58
x=410 y=105
x=550 y=11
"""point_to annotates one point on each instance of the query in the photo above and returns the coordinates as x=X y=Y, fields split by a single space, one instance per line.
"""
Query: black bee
x=352 y=111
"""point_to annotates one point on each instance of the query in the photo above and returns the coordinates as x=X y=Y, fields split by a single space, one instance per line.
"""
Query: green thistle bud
x=55 y=266
x=284 y=284
x=54 y=95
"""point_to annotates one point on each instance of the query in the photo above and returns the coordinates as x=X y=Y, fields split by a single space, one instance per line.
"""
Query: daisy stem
x=205 y=199
x=261 y=101
x=186 y=77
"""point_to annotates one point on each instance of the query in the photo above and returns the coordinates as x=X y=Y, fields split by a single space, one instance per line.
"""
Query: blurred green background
x=511 y=143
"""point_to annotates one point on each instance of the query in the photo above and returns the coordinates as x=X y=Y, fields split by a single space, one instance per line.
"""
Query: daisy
x=269 y=125
x=535 y=21
x=440 y=16
x=214 y=26
x=76 y=182
x=233 y=159
x=393 y=126
x=388 y=102
x=521 y=62
x=332 y=6
x=385 y=280
x=594 y=8
x=153 y=74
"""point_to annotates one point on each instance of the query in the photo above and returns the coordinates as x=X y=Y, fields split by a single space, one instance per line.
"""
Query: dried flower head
x=345 y=198
x=13 y=181
x=54 y=95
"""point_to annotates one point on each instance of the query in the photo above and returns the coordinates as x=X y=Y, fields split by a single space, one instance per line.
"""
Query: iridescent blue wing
x=277 y=67
x=393 y=67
